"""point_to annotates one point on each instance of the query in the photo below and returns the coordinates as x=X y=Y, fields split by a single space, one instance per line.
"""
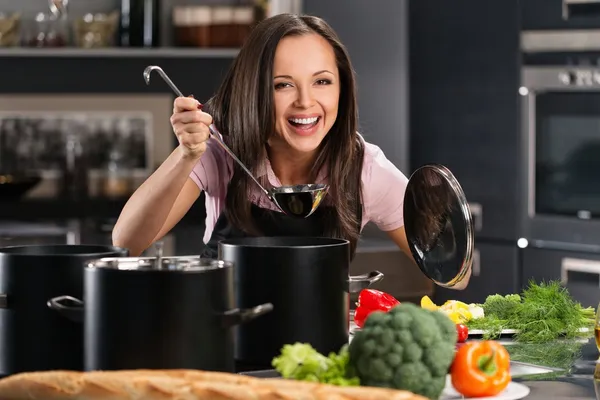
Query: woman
x=287 y=108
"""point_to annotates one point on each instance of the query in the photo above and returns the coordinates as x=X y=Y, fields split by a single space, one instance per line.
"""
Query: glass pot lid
x=438 y=225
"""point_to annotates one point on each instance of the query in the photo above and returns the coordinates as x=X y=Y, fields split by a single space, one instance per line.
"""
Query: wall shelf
x=118 y=52
x=112 y=71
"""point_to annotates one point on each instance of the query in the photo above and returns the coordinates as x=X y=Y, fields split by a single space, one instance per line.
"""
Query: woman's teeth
x=304 y=121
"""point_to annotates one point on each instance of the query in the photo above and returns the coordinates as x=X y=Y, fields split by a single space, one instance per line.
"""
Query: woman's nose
x=305 y=98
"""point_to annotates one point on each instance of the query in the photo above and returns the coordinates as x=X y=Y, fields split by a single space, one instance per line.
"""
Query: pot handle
x=359 y=282
x=240 y=316
x=68 y=306
x=3 y=300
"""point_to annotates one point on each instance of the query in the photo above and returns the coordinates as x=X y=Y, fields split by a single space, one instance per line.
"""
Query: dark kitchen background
x=505 y=93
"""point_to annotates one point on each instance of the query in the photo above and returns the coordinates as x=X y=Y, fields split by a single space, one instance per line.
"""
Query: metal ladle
x=296 y=200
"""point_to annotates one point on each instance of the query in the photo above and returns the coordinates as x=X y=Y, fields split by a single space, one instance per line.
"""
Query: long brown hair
x=243 y=109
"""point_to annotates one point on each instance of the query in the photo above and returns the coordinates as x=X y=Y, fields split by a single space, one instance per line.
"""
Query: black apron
x=272 y=223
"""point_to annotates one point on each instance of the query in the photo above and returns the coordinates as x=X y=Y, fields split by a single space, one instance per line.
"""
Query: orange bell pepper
x=481 y=369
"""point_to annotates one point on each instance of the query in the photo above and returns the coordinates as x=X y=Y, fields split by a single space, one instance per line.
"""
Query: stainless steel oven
x=561 y=163
x=543 y=19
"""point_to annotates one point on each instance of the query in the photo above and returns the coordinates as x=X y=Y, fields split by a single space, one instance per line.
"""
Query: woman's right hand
x=190 y=125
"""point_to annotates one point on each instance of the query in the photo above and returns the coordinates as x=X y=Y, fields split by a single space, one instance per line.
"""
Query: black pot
x=138 y=315
x=32 y=336
x=306 y=280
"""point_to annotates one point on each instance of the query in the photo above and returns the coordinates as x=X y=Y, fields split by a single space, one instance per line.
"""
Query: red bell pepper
x=370 y=300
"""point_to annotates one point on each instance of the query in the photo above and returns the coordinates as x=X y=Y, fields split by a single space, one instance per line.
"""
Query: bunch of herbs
x=543 y=313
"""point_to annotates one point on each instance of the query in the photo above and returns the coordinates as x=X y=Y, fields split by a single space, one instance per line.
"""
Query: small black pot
x=138 y=315
x=32 y=336
x=306 y=280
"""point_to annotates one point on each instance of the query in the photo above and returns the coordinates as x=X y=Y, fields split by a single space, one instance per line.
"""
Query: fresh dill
x=543 y=313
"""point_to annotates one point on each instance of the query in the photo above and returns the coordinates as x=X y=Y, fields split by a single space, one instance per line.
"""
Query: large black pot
x=32 y=336
x=142 y=314
x=306 y=280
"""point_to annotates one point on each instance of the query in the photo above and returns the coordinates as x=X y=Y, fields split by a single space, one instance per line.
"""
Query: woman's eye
x=281 y=85
x=323 y=82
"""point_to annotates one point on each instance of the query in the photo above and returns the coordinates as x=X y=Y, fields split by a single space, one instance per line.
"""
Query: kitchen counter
x=184 y=239
x=577 y=384
x=97 y=208
x=375 y=251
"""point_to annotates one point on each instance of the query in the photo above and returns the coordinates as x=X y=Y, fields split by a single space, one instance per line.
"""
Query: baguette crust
x=178 y=385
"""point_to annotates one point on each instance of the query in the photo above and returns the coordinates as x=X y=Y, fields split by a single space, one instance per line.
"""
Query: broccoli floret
x=501 y=307
x=408 y=348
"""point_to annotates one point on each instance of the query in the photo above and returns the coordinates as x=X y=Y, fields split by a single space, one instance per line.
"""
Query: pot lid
x=182 y=263
x=438 y=225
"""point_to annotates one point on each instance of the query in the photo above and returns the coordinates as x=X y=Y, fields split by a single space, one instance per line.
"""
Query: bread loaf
x=178 y=385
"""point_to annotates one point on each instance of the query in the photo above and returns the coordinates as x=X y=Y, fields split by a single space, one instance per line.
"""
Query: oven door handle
x=477 y=215
x=476 y=266
x=580 y=8
x=578 y=265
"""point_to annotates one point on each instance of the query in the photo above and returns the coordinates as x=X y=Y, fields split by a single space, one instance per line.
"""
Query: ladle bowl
x=296 y=200
x=299 y=200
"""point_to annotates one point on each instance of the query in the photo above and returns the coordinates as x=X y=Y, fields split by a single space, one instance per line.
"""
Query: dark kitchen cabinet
x=495 y=270
x=464 y=103
x=579 y=272
x=548 y=15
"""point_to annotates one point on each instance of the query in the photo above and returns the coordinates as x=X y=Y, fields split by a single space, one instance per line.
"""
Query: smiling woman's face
x=307 y=92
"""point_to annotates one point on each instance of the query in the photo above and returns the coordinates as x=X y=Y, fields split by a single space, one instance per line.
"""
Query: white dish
x=514 y=391
x=481 y=332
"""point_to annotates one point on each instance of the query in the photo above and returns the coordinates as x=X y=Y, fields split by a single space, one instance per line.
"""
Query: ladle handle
x=216 y=135
x=213 y=129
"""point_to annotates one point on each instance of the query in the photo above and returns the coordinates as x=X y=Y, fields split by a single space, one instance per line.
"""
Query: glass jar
x=49 y=31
